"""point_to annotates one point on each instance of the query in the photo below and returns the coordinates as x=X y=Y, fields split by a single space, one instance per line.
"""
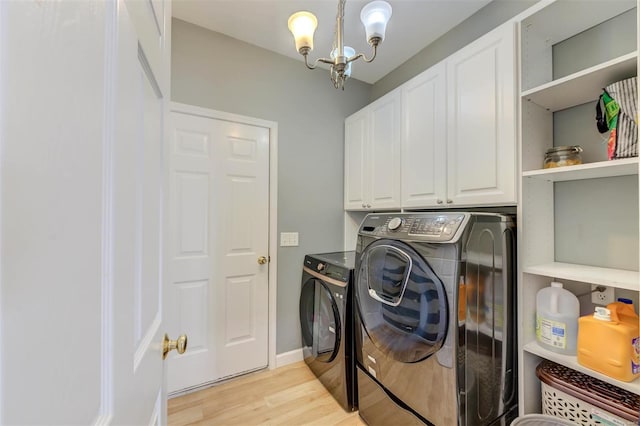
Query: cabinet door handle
x=439 y=201
x=449 y=201
x=368 y=206
x=364 y=206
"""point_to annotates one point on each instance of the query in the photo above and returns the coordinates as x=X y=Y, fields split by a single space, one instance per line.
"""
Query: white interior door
x=220 y=229
x=83 y=91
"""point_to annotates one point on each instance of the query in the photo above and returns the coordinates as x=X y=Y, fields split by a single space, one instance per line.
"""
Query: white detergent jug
x=557 y=313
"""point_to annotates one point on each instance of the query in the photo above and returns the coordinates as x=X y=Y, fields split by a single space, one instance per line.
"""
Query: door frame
x=273 y=203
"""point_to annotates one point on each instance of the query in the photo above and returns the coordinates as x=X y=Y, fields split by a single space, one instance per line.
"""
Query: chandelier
x=374 y=17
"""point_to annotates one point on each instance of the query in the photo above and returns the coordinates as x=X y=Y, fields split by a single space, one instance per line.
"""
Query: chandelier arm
x=315 y=63
x=364 y=58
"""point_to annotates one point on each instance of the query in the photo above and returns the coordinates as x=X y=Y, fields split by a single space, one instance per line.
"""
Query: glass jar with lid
x=560 y=156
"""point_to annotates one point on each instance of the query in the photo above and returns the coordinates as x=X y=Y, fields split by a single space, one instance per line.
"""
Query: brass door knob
x=262 y=260
x=168 y=345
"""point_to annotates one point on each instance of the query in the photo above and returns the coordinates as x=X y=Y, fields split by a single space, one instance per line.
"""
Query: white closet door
x=220 y=231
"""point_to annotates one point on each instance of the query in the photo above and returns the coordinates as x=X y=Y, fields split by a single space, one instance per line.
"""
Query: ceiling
x=413 y=25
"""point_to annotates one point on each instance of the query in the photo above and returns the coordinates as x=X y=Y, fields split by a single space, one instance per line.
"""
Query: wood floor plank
x=185 y=417
x=287 y=396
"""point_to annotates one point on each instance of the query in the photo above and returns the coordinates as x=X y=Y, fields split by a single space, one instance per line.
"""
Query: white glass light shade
x=348 y=52
x=374 y=17
x=302 y=25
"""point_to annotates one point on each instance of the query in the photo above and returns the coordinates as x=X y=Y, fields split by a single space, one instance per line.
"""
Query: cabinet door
x=424 y=133
x=355 y=141
x=383 y=153
x=481 y=132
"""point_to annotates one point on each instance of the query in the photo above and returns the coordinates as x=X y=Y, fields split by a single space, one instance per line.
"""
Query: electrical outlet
x=602 y=297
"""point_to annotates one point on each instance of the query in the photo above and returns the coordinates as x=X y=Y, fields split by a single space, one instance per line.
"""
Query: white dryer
x=435 y=319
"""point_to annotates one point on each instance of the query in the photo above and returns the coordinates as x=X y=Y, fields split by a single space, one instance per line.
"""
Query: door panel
x=241 y=229
x=192 y=214
x=355 y=139
x=192 y=206
x=148 y=18
x=239 y=237
x=481 y=137
x=384 y=151
x=192 y=299
x=240 y=323
x=149 y=169
x=219 y=207
x=424 y=150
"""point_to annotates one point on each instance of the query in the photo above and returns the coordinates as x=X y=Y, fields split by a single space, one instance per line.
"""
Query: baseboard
x=289 y=357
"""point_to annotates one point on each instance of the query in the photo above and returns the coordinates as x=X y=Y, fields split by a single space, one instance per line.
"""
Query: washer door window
x=401 y=302
x=320 y=321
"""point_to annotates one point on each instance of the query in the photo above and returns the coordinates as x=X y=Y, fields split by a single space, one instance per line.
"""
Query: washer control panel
x=436 y=227
x=330 y=270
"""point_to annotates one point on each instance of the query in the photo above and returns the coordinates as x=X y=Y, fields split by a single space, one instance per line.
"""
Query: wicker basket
x=585 y=400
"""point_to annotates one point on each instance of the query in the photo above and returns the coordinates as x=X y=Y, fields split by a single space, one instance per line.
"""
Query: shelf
x=572 y=362
x=601 y=169
x=618 y=278
x=556 y=21
x=583 y=86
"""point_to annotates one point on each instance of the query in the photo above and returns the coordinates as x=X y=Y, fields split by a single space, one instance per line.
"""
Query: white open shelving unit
x=610 y=277
x=541 y=27
x=600 y=169
x=583 y=86
x=571 y=362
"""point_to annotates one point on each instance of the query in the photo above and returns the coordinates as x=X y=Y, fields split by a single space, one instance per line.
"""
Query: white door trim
x=273 y=202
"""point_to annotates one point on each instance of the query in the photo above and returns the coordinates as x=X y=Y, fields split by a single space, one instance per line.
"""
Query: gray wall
x=218 y=72
x=478 y=24
x=606 y=41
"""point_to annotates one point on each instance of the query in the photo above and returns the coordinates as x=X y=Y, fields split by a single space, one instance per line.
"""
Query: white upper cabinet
x=384 y=151
x=459 y=130
x=481 y=137
x=372 y=155
x=355 y=141
x=424 y=153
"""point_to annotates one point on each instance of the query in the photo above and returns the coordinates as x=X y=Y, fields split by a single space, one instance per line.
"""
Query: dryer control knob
x=394 y=223
x=320 y=266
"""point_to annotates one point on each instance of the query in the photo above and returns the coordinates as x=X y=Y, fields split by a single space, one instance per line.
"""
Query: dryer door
x=401 y=302
x=319 y=320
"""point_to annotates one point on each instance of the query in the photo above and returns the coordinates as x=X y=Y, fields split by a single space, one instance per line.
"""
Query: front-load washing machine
x=326 y=321
x=435 y=324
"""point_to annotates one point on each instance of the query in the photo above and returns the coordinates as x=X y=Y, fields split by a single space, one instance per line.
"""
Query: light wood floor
x=289 y=395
